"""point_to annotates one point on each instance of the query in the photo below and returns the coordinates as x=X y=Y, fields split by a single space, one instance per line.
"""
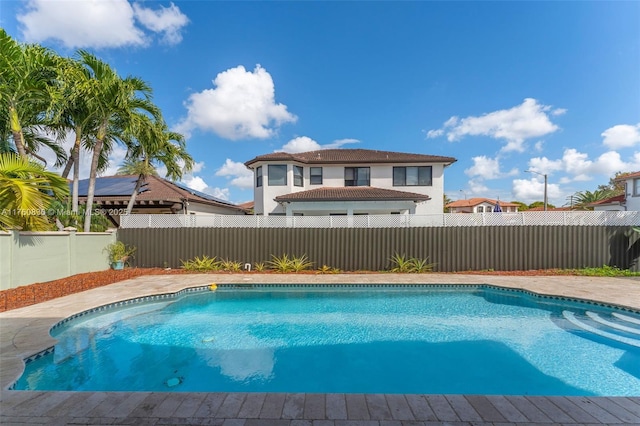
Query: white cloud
x=487 y=168
x=98 y=23
x=539 y=146
x=241 y=106
x=435 y=133
x=242 y=177
x=621 y=136
x=580 y=168
x=515 y=125
x=305 y=143
x=198 y=167
x=195 y=182
x=221 y=193
x=544 y=165
x=300 y=144
x=530 y=190
x=477 y=187
x=167 y=20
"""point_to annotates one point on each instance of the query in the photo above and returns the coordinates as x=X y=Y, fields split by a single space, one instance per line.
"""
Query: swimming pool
x=347 y=338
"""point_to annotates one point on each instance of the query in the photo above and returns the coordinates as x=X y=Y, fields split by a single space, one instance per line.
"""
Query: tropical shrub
x=402 y=263
x=285 y=263
x=324 y=269
x=201 y=264
x=119 y=251
x=230 y=265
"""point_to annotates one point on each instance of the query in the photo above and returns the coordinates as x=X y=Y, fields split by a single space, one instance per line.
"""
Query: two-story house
x=627 y=201
x=348 y=182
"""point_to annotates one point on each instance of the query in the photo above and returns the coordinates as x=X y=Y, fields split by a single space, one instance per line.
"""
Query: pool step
x=573 y=319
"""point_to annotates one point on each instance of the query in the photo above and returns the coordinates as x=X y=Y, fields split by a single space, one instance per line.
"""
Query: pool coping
x=24 y=331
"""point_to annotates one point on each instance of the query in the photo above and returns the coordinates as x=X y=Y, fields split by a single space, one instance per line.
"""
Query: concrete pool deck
x=25 y=332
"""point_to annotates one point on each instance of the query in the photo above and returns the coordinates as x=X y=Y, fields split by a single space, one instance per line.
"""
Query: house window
x=298 y=177
x=636 y=187
x=259 y=176
x=277 y=175
x=480 y=209
x=315 y=175
x=412 y=176
x=356 y=176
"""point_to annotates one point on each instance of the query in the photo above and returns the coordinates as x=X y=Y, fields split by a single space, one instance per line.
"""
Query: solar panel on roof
x=112 y=186
x=201 y=194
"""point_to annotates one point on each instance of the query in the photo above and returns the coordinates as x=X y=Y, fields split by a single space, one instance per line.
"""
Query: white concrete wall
x=31 y=257
x=633 y=201
x=610 y=208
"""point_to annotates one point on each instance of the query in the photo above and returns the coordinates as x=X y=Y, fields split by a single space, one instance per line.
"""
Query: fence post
x=72 y=250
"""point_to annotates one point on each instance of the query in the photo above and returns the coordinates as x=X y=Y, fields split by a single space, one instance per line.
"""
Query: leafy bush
x=119 y=251
x=201 y=264
x=605 y=271
x=400 y=263
x=230 y=265
x=259 y=267
x=301 y=263
x=285 y=263
x=404 y=264
x=324 y=269
x=280 y=264
x=420 y=266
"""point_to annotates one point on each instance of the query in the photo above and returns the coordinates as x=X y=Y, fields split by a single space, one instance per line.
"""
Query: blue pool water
x=458 y=340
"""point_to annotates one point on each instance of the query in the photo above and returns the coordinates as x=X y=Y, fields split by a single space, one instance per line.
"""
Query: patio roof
x=352 y=193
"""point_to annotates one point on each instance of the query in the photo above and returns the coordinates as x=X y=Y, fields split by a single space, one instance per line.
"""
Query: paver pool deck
x=25 y=331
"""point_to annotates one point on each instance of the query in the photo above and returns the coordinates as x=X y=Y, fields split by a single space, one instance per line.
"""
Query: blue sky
x=504 y=87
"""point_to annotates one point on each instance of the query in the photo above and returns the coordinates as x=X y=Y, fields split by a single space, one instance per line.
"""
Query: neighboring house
x=629 y=200
x=616 y=203
x=480 y=205
x=156 y=196
x=348 y=182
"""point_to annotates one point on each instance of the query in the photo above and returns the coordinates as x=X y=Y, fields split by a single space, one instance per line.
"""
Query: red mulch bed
x=41 y=292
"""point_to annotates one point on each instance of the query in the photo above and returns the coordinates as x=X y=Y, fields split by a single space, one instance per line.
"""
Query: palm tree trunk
x=67 y=167
x=97 y=149
x=16 y=131
x=132 y=200
x=75 y=159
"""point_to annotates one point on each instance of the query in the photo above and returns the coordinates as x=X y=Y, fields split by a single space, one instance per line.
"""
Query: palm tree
x=446 y=200
x=154 y=144
x=27 y=190
x=73 y=114
x=114 y=103
x=28 y=83
x=581 y=200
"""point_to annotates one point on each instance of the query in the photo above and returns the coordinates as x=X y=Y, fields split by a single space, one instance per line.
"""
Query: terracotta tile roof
x=472 y=202
x=159 y=191
x=351 y=156
x=352 y=193
x=617 y=199
x=248 y=205
x=631 y=175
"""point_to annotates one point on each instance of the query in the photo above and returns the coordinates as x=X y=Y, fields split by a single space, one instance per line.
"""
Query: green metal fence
x=501 y=248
